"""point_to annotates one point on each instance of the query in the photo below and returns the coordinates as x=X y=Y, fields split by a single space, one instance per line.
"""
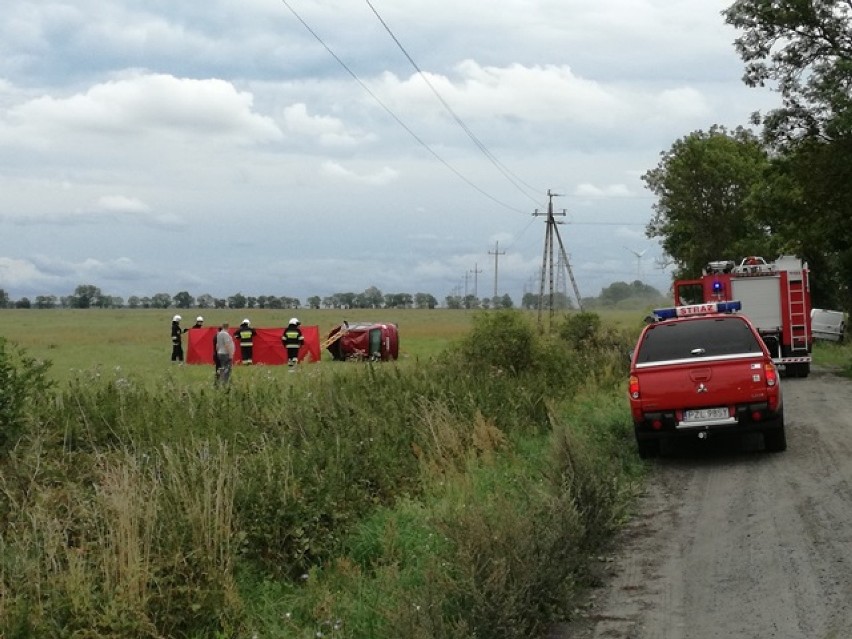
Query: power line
x=393 y=115
x=507 y=173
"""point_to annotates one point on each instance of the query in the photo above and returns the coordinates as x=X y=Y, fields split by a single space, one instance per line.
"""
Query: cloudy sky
x=307 y=147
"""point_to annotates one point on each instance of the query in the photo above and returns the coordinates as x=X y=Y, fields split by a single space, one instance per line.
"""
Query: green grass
x=137 y=342
x=834 y=355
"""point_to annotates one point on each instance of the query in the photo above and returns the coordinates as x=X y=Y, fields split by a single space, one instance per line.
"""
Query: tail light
x=771 y=374
x=633 y=387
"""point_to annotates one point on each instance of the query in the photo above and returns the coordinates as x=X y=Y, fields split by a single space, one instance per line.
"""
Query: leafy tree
x=45 y=301
x=808 y=212
x=372 y=298
x=85 y=296
x=529 y=301
x=4 y=299
x=454 y=301
x=621 y=291
x=470 y=301
x=134 y=301
x=425 y=300
x=505 y=302
x=702 y=186
x=161 y=300
x=205 y=301
x=314 y=301
x=24 y=302
x=237 y=301
x=804 y=49
x=183 y=300
x=398 y=300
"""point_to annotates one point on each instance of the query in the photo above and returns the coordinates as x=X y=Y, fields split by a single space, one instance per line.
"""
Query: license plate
x=704 y=414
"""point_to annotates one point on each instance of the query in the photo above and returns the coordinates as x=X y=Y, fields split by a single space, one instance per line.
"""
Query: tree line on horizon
x=89 y=296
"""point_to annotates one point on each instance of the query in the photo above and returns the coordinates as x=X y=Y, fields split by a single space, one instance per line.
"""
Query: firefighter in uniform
x=245 y=337
x=292 y=339
x=199 y=322
x=177 y=343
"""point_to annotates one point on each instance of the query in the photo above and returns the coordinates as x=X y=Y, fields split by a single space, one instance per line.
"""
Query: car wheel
x=775 y=440
x=648 y=448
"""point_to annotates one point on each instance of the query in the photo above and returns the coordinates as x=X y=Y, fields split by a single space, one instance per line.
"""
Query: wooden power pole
x=496 y=253
x=548 y=266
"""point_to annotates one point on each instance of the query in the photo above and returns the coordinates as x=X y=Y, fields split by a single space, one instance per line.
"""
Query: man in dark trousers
x=177 y=342
x=292 y=339
x=244 y=335
x=221 y=328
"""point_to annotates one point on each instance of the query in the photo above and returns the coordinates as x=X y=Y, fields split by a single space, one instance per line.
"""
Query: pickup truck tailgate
x=696 y=384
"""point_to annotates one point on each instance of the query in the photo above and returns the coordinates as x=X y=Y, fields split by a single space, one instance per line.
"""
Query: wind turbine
x=638 y=255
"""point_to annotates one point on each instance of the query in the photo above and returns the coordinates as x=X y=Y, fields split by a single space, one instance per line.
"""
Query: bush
x=23 y=384
x=502 y=340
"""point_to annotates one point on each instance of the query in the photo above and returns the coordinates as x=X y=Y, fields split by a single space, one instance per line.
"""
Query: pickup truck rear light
x=771 y=374
x=633 y=387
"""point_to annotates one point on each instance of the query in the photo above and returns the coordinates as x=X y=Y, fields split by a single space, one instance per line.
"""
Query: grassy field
x=137 y=342
x=446 y=497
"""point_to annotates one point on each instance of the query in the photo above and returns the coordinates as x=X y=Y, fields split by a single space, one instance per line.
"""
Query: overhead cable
x=511 y=177
x=393 y=115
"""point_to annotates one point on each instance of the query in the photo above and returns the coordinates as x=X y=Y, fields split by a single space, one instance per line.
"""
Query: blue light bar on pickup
x=697 y=309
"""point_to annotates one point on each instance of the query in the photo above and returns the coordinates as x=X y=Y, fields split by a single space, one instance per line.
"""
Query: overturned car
x=363 y=341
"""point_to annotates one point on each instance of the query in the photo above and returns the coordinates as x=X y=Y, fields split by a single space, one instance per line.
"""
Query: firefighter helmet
x=176 y=318
x=294 y=321
x=199 y=319
x=246 y=322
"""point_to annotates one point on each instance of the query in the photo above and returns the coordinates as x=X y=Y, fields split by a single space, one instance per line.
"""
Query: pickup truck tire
x=775 y=440
x=648 y=448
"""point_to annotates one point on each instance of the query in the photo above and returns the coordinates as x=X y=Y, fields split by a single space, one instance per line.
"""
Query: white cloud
x=139 y=104
x=329 y=131
x=382 y=177
x=610 y=190
x=121 y=204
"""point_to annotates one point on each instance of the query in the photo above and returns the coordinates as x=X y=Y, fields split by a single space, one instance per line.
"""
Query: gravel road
x=735 y=543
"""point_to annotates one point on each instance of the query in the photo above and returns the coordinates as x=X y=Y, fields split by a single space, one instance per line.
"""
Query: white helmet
x=295 y=320
x=246 y=322
x=199 y=319
x=176 y=318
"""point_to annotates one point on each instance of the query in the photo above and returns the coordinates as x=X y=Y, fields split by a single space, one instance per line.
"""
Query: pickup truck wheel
x=775 y=440
x=648 y=448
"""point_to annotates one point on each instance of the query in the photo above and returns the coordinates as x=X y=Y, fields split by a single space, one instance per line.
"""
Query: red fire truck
x=775 y=296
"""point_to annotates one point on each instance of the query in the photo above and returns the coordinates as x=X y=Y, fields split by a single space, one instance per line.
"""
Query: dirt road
x=732 y=542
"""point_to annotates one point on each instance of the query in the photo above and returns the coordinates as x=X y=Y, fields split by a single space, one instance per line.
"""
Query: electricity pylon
x=548 y=266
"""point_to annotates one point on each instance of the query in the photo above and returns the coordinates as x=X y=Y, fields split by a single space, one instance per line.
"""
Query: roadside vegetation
x=459 y=496
x=837 y=356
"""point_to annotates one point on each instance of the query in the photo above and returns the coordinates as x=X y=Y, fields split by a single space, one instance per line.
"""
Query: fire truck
x=775 y=296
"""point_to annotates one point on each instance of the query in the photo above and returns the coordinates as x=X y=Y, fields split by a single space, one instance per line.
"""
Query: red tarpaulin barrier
x=268 y=348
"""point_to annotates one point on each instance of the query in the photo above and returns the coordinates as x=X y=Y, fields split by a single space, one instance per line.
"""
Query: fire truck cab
x=775 y=296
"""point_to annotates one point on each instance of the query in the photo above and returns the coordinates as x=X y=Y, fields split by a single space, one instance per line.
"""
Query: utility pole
x=547 y=263
x=496 y=253
x=466 y=275
x=476 y=271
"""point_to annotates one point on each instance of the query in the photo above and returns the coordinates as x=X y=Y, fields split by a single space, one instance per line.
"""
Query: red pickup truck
x=703 y=369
